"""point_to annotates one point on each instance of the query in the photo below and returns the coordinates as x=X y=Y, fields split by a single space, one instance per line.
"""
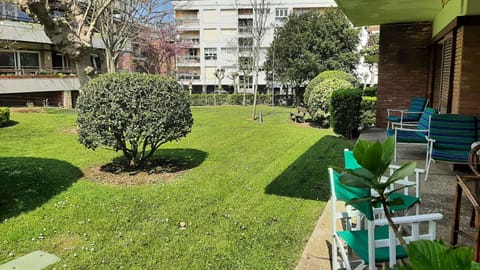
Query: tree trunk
x=110 y=62
x=255 y=89
x=80 y=64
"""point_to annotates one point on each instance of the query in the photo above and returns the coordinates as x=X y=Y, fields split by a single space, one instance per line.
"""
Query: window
x=281 y=12
x=60 y=61
x=29 y=60
x=7 y=60
x=19 y=60
x=96 y=62
x=210 y=53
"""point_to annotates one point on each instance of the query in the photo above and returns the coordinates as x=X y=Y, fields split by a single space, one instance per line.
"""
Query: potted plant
x=375 y=159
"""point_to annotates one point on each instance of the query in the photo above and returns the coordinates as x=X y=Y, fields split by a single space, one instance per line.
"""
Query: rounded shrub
x=318 y=101
x=345 y=109
x=4 y=116
x=337 y=74
x=133 y=113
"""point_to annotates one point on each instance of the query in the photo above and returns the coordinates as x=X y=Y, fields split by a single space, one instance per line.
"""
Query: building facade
x=427 y=49
x=32 y=71
x=220 y=34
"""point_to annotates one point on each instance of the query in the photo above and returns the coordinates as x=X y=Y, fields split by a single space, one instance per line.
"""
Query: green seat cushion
x=358 y=240
x=408 y=201
x=411 y=136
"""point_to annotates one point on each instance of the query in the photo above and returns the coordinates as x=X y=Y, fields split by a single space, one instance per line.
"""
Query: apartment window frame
x=281 y=12
x=210 y=54
x=17 y=60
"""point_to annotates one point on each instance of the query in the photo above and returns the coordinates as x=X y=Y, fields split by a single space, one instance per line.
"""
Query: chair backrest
x=423 y=124
x=452 y=131
x=346 y=193
x=417 y=104
x=478 y=129
x=349 y=160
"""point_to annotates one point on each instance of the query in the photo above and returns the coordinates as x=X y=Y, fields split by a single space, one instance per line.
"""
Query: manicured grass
x=250 y=201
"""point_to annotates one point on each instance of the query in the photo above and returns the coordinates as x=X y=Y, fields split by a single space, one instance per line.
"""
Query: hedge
x=369 y=111
x=237 y=99
x=345 y=110
x=4 y=116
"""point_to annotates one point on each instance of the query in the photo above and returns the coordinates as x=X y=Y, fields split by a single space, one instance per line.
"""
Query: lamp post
x=220 y=74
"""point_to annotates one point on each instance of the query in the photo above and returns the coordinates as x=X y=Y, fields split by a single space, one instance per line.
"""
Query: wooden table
x=470 y=185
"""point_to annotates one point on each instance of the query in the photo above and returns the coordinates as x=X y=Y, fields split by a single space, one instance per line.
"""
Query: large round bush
x=318 y=101
x=338 y=74
x=133 y=113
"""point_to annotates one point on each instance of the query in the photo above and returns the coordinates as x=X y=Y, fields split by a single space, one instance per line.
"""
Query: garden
x=246 y=195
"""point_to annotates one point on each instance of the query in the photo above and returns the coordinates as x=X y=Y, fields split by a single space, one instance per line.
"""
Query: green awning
x=374 y=12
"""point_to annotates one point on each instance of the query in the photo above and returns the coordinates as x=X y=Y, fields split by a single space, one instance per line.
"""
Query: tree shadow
x=166 y=160
x=10 y=123
x=28 y=182
x=307 y=177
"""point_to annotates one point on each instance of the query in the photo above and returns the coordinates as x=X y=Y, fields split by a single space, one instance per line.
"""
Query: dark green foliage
x=132 y=112
x=345 y=109
x=318 y=99
x=370 y=91
x=237 y=99
x=369 y=111
x=4 y=116
x=311 y=43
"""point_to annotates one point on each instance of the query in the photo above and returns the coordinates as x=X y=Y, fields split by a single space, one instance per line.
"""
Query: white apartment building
x=220 y=34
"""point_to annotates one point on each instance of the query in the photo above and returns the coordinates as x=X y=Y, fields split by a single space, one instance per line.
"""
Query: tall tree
x=158 y=45
x=261 y=11
x=72 y=33
x=310 y=43
x=121 y=19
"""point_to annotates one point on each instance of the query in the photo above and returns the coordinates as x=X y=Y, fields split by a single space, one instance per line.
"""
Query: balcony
x=194 y=42
x=188 y=77
x=187 y=23
x=188 y=60
x=36 y=80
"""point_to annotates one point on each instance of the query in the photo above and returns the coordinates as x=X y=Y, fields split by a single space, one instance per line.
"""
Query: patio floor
x=437 y=195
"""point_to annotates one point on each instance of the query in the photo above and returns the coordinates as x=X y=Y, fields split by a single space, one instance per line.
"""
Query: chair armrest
x=408 y=112
x=411 y=129
x=429 y=140
x=408 y=124
x=410 y=219
x=401 y=111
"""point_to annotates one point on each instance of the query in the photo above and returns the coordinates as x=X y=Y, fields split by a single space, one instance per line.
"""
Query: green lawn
x=250 y=200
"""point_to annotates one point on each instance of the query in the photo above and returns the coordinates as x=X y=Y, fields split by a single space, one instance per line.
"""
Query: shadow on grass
x=10 y=123
x=307 y=177
x=27 y=182
x=172 y=160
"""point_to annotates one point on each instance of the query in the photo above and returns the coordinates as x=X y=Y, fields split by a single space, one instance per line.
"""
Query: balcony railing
x=188 y=76
x=187 y=21
x=34 y=71
x=188 y=59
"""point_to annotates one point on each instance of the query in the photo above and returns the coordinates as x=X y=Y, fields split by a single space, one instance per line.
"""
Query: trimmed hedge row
x=351 y=110
x=4 y=116
x=369 y=111
x=237 y=99
x=345 y=110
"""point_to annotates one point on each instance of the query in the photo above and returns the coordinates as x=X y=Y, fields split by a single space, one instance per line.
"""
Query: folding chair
x=410 y=115
x=377 y=243
x=406 y=183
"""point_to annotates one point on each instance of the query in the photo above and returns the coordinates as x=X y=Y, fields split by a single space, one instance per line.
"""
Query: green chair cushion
x=357 y=239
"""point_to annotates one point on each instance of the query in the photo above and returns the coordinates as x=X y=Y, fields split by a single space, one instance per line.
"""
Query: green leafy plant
x=436 y=255
x=318 y=99
x=134 y=113
x=4 y=116
x=345 y=109
x=375 y=159
x=369 y=111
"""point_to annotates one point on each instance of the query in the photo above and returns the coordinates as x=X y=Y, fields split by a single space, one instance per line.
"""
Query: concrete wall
x=403 y=66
